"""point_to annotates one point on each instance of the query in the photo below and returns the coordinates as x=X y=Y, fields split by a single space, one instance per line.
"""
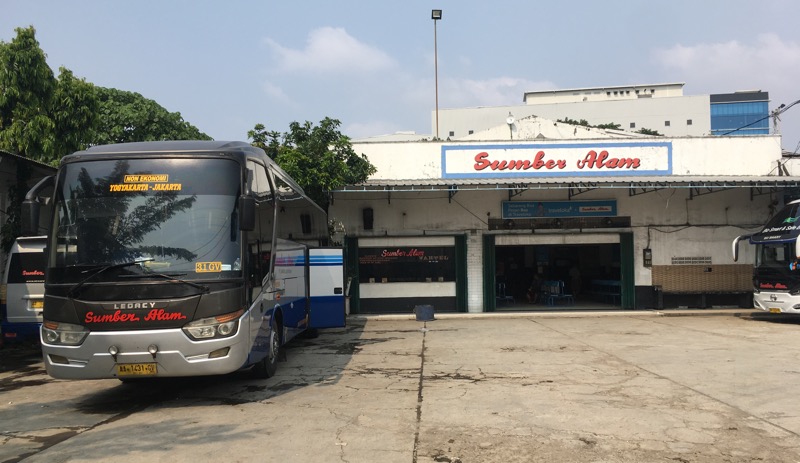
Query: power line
x=780 y=110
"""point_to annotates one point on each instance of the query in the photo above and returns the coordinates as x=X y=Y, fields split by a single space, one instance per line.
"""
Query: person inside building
x=534 y=289
x=575 y=280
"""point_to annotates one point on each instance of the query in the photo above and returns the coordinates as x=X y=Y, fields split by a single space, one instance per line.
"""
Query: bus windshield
x=171 y=216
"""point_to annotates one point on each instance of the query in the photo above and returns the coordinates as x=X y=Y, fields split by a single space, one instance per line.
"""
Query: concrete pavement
x=623 y=387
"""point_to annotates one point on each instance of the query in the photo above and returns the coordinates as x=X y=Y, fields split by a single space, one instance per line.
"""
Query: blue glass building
x=740 y=113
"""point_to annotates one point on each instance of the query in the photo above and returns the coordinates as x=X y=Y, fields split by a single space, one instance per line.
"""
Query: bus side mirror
x=247 y=213
x=31 y=208
x=736 y=246
x=30 y=217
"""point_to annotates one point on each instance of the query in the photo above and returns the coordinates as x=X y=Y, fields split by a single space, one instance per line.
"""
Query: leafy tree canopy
x=319 y=158
x=130 y=117
x=44 y=117
x=41 y=117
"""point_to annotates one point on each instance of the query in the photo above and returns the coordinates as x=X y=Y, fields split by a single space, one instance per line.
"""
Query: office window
x=666 y=123
x=452 y=133
x=688 y=122
x=471 y=132
x=633 y=125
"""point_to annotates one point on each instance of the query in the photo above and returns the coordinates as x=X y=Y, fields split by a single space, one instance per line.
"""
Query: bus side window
x=260 y=239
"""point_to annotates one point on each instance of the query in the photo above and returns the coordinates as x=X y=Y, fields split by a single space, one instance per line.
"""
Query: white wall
x=667 y=221
x=650 y=113
x=746 y=156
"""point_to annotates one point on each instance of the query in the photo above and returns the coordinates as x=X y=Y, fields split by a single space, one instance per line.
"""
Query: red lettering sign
x=401 y=253
x=593 y=160
x=482 y=162
x=116 y=317
x=162 y=315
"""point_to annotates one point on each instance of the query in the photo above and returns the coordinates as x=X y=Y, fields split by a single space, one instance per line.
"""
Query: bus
x=179 y=258
x=22 y=290
x=776 y=272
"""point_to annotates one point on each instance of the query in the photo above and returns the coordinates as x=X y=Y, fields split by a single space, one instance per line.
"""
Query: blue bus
x=179 y=258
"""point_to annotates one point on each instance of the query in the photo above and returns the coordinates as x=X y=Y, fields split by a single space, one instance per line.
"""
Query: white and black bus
x=179 y=258
x=776 y=270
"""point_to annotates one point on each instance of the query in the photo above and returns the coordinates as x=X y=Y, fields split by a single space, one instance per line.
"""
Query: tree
x=41 y=117
x=319 y=158
x=645 y=131
x=44 y=118
x=130 y=117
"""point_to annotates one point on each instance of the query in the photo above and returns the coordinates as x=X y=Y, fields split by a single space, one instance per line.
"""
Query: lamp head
x=436 y=14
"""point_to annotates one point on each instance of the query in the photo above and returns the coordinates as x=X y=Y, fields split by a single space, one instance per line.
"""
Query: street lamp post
x=436 y=15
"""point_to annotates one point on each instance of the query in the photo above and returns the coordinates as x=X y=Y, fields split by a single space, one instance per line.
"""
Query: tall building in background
x=740 y=113
x=660 y=108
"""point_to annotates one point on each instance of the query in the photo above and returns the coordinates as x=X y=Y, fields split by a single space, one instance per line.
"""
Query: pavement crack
x=419 y=393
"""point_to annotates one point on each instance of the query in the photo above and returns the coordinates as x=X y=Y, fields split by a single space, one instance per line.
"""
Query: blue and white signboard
x=534 y=209
x=591 y=159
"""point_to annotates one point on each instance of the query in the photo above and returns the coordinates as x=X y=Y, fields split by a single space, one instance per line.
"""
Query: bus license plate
x=136 y=369
x=774 y=310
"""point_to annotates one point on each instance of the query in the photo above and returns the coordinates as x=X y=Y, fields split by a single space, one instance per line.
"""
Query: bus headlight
x=221 y=326
x=64 y=334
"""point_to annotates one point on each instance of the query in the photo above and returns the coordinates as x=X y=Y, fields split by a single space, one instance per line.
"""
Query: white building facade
x=622 y=221
x=658 y=107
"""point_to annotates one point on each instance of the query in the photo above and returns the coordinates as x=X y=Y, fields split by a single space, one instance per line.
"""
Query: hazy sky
x=227 y=65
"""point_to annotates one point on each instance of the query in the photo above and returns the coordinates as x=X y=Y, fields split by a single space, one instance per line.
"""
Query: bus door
x=326 y=269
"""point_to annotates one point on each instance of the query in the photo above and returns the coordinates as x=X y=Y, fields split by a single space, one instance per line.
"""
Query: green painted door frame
x=461 y=273
x=628 y=285
x=489 y=292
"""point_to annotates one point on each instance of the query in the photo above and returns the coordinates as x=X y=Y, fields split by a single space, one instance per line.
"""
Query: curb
x=564 y=314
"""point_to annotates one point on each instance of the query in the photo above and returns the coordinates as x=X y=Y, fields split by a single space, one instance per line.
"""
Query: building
x=622 y=220
x=662 y=108
x=740 y=113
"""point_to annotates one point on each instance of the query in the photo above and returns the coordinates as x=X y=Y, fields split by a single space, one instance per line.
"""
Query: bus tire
x=267 y=366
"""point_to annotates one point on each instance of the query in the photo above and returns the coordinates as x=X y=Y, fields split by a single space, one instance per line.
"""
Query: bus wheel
x=269 y=364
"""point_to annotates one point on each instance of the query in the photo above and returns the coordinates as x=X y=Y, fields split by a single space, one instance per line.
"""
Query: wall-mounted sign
x=534 y=209
x=554 y=160
x=406 y=264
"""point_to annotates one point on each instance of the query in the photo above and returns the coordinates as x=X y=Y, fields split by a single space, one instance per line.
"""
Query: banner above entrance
x=556 y=160
x=533 y=209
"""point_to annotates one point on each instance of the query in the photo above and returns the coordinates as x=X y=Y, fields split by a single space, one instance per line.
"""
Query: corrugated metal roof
x=28 y=160
x=574 y=182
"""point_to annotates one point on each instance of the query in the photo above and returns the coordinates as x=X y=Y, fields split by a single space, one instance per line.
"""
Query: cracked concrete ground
x=631 y=387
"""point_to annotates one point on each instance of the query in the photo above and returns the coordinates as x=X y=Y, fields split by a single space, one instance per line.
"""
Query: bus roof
x=782 y=227
x=172 y=146
x=146 y=148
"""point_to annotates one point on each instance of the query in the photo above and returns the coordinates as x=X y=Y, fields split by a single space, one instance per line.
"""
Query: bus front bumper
x=777 y=302
x=127 y=354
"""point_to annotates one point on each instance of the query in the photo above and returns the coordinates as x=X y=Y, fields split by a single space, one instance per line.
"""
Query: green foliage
x=585 y=123
x=30 y=95
x=645 y=131
x=319 y=158
x=567 y=120
x=44 y=118
x=130 y=117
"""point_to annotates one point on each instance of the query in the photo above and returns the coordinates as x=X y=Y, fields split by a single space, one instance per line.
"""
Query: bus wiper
x=71 y=291
x=170 y=276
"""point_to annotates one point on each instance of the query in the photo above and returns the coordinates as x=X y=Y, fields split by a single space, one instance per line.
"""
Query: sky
x=226 y=66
